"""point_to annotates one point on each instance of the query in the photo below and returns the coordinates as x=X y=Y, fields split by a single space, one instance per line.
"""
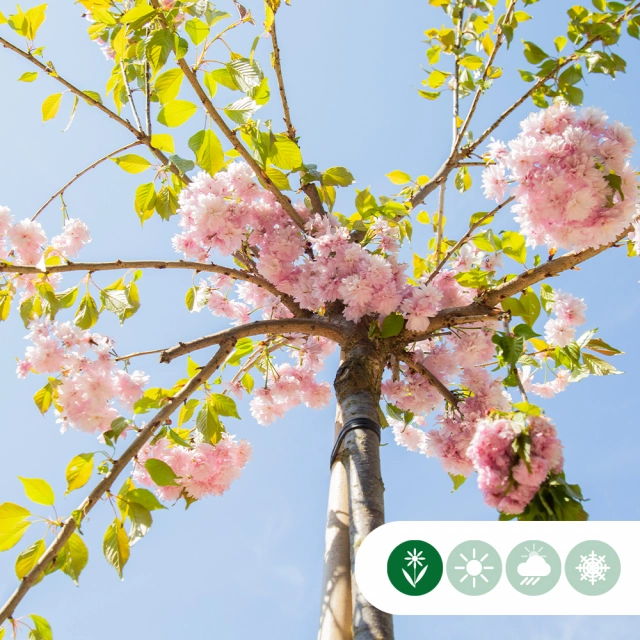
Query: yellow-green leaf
x=11 y=515
x=28 y=76
x=43 y=398
x=399 y=177
x=167 y=85
x=472 y=62
x=79 y=471
x=29 y=558
x=38 y=491
x=116 y=545
x=132 y=163
x=77 y=557
x=50 y=106
x=287 y=153
x=176 y=113
x=278 y=178
x=208 y=150
x=11 y=537
x=163 y=141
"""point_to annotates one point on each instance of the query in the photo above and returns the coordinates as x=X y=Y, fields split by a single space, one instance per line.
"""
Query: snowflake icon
x=593 y=568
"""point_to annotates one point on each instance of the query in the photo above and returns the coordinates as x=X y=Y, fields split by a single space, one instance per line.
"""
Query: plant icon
x=416 y=560
x=415 y=567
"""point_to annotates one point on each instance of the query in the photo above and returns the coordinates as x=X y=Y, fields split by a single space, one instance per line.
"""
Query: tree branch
x=70 y=525
x=79 y=175
x=443 y=186
x=310 y=189
x=230 y=135
x=433 y=381
x=140 y=135
x=130 y=96
x=466 y=237
x=198 y=267
x=311 y=326
x=551 y=268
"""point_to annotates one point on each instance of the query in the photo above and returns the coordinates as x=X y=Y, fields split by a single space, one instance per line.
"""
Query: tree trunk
x=357 y=386
x=335 y=612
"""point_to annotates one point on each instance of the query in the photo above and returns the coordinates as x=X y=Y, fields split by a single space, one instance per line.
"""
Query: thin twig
x=231 y=136
x=119 y=465
x=466 y=237
x=443 y=186
x=140 y=135
x=79 y=175
x=130 y=96
x=433 y=380
x=198 y=267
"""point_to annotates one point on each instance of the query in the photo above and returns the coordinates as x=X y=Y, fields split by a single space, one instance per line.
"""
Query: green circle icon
x=533 y=567
x=474 y=568
x=592 y=567
x=414 y=567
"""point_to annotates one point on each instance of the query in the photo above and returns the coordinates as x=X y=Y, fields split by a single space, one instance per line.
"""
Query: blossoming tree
x=460 y=336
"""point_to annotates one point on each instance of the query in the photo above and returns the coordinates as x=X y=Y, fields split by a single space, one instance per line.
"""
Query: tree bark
x=357 y=386
x=335 y=611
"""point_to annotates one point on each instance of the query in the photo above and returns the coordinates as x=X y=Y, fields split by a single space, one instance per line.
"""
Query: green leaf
x=132 y=163
x=223 y=77
x=50 y=106
x=197 y=30
x=560 y=43
x=28 y=76
x=158 y=48
x=513 y=245
x=167 y=86
x=286 y=154
x=145 y=201
x=245 y=74
x=77 y=557
x=176 y=113
x=183 y=165
x=462 y=180
x=398 y=177
x=471 y=62
x=38 y=491
x=429 y=95
x=223 y=405
x=278 y=178
x=247 y=382
x=166 y=203
x=144 y=498
x=365 y=202
x=241 y=111
x=11 y=537
x=87 y=314
x=599 y=367
x=163 y=141
x=115 y=545
x=458 y=481
x=208 y=150
x=533 y=53
x=527 y=76
x=79 y=471
x=531 y=306
x=141 y=522
x=94 y=95
x=208 y=424
x=476 y=217
x=547 y=296
x=337 y=177
x=600 y=346
x=392 y=325
x=11 y=515
x=161 y=473
x=141 y=12
x=210 y=84
x=43 y=398
x=28 y=559
x=42 y=629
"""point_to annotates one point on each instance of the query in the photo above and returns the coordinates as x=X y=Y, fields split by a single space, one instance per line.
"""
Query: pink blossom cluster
x=455 y=358
x=25 y=240
x=229 y=211
x=573 y=182
x=90 y=384
x=569 y=312
x=503 y=477
x=289 y=385
x=203 y=470
x=560 y=382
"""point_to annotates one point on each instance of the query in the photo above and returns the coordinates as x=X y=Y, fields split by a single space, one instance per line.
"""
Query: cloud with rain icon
x=533 y=568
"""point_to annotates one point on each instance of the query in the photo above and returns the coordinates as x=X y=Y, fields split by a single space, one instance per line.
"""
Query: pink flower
x=73 y=237
x=494 y=182
x=27 y=238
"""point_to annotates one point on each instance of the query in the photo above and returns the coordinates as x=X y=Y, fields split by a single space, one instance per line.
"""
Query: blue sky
x=249 y=564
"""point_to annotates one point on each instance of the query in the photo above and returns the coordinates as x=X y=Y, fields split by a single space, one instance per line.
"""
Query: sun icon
x=474 y=568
